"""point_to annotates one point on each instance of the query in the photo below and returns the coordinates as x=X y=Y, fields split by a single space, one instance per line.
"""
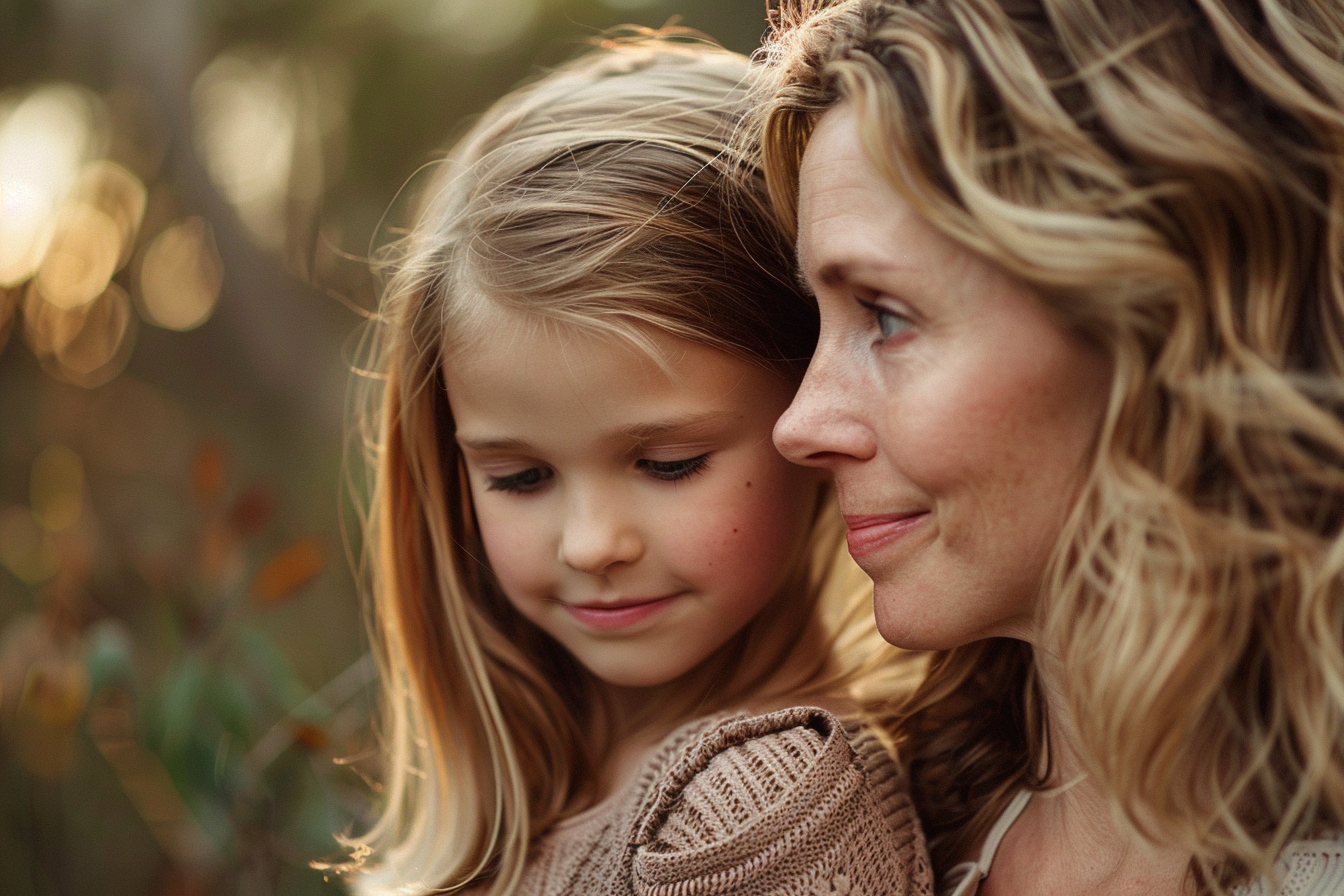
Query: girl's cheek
x=511 y=549
x=758 y=525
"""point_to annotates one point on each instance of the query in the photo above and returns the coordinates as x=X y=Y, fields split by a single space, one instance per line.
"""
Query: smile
x=870 y=533
x=620 y=613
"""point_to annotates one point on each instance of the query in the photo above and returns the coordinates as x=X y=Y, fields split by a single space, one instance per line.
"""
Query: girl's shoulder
x=1305 y=868
x=791 y=801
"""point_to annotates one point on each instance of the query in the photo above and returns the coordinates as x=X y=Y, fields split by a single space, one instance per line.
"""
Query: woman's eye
x=671 y=470
x=526 y=481
x=889 y=322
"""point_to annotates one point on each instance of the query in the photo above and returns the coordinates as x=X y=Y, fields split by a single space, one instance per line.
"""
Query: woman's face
x=956 y=414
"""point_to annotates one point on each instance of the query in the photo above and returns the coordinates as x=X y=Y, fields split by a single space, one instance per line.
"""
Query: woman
x=1080 y=266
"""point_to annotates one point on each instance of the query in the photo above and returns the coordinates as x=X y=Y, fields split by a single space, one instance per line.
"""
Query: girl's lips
x=618 y=614
x=875 y=531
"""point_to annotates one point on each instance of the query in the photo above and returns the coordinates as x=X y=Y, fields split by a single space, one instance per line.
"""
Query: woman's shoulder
x=791 y=801
x=1305 y=868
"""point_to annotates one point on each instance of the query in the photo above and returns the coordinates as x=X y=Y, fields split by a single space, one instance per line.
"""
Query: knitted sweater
x=784 y=803
x=1305 y=868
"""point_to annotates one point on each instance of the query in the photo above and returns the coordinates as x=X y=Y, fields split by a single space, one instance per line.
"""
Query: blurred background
x=189 y=191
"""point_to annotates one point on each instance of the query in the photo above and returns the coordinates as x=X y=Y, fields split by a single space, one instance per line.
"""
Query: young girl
x=603 y=603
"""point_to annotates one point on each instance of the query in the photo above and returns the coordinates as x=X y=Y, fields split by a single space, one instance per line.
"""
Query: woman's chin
x=914 y=616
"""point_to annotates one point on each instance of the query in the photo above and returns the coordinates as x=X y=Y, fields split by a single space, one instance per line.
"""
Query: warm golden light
x=81 y=258
x=112 y=189
x=57 y=488
x=100 y=349
x=246 y=108
x=180 y=276
x=87 y=345
x=43 y=141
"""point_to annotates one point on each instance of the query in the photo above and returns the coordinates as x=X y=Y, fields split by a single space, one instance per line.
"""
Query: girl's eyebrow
x=689 y=425
x=494 y=444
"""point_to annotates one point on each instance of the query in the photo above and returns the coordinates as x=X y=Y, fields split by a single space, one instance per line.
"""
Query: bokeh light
x=69 y=221
x=180 y=276
x=86 y=345
x=246 y=109
x=113 y=190
x=44 y=139
x=268 y=128
x=471 y=27
x=81 y=259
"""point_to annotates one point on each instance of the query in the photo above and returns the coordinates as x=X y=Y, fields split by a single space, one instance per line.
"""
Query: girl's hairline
x=618 y=328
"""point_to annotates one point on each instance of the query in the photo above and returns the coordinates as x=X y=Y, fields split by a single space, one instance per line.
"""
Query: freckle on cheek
x=748 y=483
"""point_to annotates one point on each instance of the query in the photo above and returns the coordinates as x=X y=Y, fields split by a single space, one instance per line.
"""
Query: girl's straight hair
x=605 y=197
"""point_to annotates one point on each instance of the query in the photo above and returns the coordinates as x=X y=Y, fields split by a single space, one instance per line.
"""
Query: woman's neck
x=1067 y=841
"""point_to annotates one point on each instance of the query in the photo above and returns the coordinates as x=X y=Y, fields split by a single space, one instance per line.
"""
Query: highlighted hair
x=606 y=197
x=1168 y=176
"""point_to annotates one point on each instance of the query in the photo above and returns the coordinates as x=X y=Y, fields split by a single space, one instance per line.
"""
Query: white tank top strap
x=964 y=879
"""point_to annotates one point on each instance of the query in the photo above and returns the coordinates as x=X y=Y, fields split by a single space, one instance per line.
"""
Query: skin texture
x=955 y=413
x=610 y=502
x=958 y=418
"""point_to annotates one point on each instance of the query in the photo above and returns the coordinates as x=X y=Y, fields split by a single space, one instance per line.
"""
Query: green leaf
x=180 y=697
x=271 y=669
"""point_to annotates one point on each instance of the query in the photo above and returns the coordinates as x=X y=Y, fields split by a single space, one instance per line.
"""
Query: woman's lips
x=872 y=532
x=618 y=614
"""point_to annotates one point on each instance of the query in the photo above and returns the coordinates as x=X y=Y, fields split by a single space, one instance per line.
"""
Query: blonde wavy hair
x=1168 y=176
x=606 y=197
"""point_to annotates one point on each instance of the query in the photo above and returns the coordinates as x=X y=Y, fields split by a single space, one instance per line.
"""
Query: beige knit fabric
x=784 y=803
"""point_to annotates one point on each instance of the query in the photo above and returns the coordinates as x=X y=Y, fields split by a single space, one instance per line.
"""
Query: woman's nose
x=598 y=535
x=824 y=426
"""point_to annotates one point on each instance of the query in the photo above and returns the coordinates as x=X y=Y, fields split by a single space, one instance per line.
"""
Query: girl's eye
x=672 y=470
x=527 y=481
x=889 y=322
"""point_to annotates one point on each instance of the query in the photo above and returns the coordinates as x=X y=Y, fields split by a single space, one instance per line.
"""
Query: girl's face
x=957 y=415
x=641 y=516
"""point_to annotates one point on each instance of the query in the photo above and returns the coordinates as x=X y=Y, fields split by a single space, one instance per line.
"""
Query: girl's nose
x=825 y=426
x=598 y=535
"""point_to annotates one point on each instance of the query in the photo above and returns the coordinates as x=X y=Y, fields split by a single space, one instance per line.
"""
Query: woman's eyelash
x=672 y=470
x=526 y=481
x=891 y=323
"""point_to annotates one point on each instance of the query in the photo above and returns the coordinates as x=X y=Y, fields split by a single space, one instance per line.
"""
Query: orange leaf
x=252 y=510
x=288 y=571
x=310 y=736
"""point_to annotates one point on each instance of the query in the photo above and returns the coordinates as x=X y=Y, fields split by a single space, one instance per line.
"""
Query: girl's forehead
x=565 y=393
x=526 y=360
x=492 y=333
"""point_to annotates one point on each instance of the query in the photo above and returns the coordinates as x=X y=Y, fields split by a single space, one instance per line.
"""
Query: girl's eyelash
x=528 y=480
x=672 y=470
